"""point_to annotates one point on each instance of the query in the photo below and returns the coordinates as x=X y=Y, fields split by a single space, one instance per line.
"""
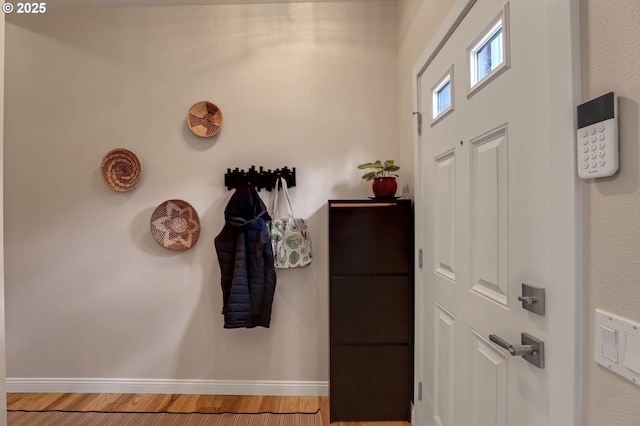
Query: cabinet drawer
x=370 y=240
x=366 y=310
x=369 y=383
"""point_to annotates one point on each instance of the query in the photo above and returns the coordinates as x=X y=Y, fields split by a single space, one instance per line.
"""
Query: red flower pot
x=384 y=187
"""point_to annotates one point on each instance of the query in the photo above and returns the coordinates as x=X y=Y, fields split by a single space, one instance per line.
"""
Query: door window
x=442 y=97
x=489 y=53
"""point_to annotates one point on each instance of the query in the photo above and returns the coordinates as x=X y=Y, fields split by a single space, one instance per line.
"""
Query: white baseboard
x=168 y=386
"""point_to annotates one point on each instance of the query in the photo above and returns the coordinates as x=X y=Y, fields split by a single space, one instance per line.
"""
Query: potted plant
x=384 y=180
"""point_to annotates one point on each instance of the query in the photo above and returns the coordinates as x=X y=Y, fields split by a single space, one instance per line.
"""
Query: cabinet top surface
x=371 y=201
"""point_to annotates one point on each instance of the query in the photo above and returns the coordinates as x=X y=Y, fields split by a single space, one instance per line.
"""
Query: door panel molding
x=489 y=382
x=445 y=330
x=445 y=229
x=489 y=212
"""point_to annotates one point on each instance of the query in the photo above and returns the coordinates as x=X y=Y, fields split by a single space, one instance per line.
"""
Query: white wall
x=3 y=355
x=89 y=293
x=611 y=62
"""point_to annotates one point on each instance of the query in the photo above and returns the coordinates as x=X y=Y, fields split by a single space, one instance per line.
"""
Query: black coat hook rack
x=260 y=178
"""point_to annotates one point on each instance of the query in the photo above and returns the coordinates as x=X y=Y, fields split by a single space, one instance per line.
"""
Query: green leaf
x=380 y=169
x=369 y=175
x=365 y=166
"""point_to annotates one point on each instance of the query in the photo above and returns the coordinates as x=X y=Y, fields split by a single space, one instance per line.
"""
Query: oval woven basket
x=121 y=169
x=175 y=225
x=205 y=119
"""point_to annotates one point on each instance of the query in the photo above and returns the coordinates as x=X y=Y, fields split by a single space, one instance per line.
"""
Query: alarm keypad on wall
x=598 y=137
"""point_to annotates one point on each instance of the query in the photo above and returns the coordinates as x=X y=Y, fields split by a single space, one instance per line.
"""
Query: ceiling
x=58 y=4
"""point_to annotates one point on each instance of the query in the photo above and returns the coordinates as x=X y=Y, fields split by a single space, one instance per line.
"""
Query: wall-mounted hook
x=260 y=178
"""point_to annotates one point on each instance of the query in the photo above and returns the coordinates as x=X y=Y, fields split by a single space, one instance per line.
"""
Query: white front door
x=497 y=206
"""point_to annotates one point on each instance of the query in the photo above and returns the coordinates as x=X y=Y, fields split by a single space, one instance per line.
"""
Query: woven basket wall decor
x=121 y=170
x=205 y=119
x=175 y=225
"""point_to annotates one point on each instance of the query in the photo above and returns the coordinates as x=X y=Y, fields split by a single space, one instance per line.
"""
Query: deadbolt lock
x=533 y=299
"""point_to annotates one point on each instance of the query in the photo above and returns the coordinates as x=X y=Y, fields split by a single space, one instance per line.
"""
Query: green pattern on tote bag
x=290 y=238
x=293 y=241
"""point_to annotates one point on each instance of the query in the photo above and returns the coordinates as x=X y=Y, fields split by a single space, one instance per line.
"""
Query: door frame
x=564 y=174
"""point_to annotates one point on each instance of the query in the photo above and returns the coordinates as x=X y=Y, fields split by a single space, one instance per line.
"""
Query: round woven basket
x=175 y=225
x=205 y=119
x=121 y=169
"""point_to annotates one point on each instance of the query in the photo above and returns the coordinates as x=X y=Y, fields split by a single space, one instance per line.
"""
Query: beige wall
x=611 y=62
x=90 y=294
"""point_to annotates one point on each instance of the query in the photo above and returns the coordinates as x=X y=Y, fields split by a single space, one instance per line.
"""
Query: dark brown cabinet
x=371 y=295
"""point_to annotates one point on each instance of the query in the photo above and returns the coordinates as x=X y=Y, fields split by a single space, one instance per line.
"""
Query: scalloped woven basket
x=121 y=170
x=205 y=119
x=175 y=225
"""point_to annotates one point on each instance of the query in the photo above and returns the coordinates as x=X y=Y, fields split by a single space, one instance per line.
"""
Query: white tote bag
x=289 y=236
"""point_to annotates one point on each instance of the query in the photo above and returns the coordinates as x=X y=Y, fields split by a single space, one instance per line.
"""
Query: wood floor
x=177 y=403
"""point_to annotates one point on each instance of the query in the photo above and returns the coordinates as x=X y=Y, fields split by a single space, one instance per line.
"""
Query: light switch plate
x=618 y=339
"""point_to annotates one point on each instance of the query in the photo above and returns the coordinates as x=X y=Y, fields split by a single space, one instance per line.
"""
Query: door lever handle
x=515 y=350
x=531 y=349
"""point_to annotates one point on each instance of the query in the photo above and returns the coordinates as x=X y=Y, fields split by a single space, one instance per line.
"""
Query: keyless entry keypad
x=594 y=144
x=597 y=137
